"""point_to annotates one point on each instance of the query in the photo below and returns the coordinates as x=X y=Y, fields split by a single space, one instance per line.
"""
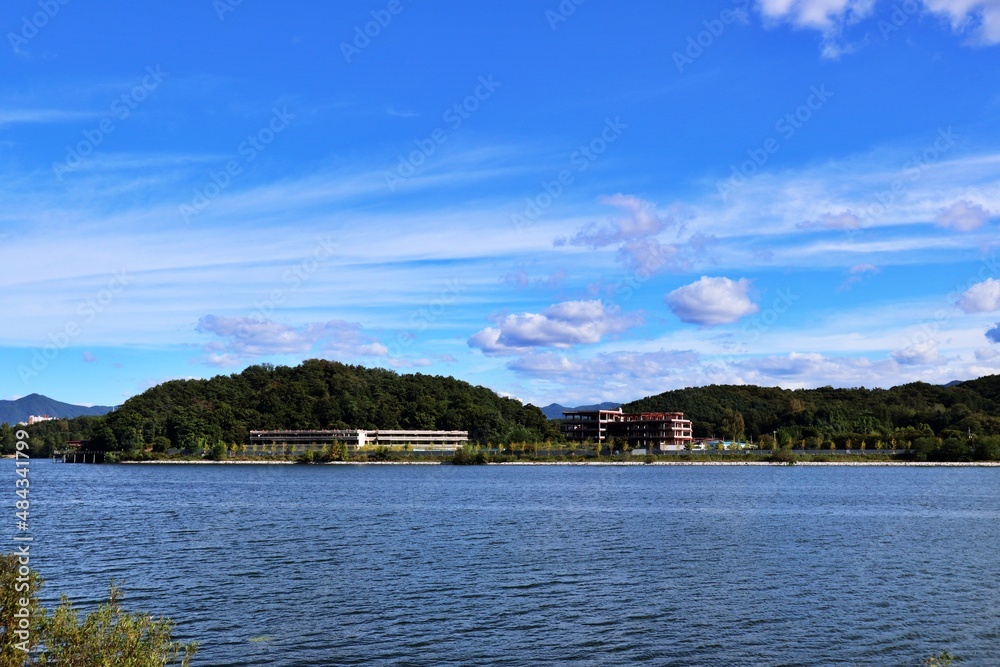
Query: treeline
x=198 y=416
x=935 y=420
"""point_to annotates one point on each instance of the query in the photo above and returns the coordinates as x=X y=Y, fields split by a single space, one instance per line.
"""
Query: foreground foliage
x=106 y=637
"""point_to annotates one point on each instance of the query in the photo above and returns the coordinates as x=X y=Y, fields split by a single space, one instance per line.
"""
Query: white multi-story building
x=357 y=439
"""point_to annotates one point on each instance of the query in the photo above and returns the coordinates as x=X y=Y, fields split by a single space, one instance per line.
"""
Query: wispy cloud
x=962 y=216
x=397 y=113
x=43 y=116
x=978 y=20
x=247 y=338
x=562 y=325
x=856 y=274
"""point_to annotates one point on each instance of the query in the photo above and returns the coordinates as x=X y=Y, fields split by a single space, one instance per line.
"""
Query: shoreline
x=912 y=464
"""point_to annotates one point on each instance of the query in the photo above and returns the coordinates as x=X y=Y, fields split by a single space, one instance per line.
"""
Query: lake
x=522 y=565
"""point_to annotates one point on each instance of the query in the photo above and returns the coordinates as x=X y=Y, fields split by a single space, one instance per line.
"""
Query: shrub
x=11 y=592
x=110 y=636
x=782 y=456
x=104 y=637
x=470 y=456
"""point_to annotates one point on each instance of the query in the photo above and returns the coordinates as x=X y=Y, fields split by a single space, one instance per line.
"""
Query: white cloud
x=636 y=232
x=410 y=362
x=824 y=15
x=802 y=366
x=962 y=216
x=981 y=298
x=42 y=116
x=858 y=269
x=712 y=301
x=804 y=370
x=618 y=366
x=647 y=256
x=843 y=221
x=245 y=338
x=827 y=16
x=918 y=354
x=986 y=354
x=980 y=18
x=639 y=220
x=623 y=375
x=856 y=274
x=561 y=326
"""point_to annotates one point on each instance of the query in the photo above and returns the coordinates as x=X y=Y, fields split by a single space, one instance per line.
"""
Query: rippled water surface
x=442 y=565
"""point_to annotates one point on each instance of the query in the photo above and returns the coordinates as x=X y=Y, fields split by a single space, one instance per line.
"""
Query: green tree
x=218 y=451
x=733 y=426
x=106 y=637
x=19 y=629
x=338 y=451
x=7 y=439
x=110 y=636
x=161 y=444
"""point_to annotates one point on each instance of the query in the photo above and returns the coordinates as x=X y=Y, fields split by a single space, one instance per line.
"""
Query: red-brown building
x=663 y=431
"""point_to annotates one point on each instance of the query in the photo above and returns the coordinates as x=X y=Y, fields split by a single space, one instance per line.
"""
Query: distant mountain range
x=555 y=411
x=12 y=412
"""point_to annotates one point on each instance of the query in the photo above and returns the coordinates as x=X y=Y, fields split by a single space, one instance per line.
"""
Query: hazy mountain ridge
x=13 y=412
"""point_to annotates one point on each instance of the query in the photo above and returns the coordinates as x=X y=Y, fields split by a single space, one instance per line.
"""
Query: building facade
x=652 y=431
x=264 y=442
x=589 y=425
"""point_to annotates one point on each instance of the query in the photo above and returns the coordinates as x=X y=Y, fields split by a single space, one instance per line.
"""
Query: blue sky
x=563 y=201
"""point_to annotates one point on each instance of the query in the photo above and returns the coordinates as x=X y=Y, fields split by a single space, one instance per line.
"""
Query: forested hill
x=314 y=395
x=826 y=412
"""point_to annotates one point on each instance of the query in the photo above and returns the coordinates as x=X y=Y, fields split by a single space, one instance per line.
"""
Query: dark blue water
x=441 y=565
